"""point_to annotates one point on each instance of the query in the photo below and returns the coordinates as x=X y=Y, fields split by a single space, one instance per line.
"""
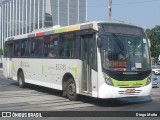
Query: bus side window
x=23 y=47
x=27 y=52
x=31 y=47
x=51 y=45
x=67 y=45
x=5 y=49
x=17 y=51
x=36 y=45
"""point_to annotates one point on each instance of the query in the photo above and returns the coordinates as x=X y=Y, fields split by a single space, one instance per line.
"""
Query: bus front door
x=86 y=84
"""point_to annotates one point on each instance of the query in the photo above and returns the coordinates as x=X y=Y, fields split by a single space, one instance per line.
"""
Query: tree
x=155 y=41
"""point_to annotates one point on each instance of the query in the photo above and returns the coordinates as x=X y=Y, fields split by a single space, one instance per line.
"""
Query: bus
x=97 y=59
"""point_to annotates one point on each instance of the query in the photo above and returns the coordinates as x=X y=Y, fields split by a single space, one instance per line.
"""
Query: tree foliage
x=1 y=51
x=155 y=41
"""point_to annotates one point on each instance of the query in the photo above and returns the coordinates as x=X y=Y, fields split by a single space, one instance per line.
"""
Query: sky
x=144 y=13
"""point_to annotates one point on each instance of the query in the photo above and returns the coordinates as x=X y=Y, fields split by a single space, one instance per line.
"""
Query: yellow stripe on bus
x=42 y=69
x=74 y=69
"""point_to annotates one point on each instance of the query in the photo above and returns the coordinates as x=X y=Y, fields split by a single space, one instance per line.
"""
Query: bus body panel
x=50 y=72
x=7 y=67
x=47 y=72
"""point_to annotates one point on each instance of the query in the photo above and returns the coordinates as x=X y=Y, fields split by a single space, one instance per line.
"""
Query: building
x=23 y=16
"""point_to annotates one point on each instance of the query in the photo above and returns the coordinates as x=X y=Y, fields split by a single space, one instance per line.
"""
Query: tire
x=71 y=90
x=21 y=81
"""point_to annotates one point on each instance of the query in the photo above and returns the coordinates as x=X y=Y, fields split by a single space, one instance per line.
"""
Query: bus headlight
x=148 y=80
x=108 y=80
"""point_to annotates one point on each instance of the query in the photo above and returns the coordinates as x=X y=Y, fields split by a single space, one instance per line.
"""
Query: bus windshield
x=125 y=52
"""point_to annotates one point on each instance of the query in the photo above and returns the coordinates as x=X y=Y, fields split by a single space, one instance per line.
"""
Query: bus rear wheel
x=71 y=90
x=21 y=81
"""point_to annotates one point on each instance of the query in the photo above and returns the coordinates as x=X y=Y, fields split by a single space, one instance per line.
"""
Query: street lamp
x=110 y=10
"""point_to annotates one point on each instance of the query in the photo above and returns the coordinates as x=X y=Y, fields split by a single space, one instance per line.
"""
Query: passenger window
x=36 y=45
x=5 y=49
x=67 y=45
x=51 y=45
x=24 y=46
x=17 y=50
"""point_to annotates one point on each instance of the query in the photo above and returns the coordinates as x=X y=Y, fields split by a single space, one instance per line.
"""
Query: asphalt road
x=36 y=98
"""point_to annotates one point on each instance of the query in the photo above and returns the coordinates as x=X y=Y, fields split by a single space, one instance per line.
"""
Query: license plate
x=130 y=90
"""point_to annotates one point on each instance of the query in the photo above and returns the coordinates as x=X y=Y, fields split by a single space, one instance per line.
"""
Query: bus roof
x=57 y=29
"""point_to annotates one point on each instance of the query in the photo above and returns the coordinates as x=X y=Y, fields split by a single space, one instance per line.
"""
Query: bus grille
x=118 y=75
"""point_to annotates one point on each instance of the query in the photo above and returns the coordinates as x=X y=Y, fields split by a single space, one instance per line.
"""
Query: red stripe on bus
x=40 y=34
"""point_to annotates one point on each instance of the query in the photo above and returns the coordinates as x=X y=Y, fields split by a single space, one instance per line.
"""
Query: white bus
x=98 y=59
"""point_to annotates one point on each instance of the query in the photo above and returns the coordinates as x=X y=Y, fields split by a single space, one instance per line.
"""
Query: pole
x=110 y=10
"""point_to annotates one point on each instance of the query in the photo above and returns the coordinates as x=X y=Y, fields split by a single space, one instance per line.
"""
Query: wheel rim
x=71 y=89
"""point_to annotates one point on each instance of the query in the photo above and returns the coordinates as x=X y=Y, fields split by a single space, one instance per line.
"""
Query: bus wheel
x=21 y=81
x=71 y=90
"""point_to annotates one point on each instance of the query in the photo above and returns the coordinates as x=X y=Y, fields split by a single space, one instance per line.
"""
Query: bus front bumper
x=106 y=91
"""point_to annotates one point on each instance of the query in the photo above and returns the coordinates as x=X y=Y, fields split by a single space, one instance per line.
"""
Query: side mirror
x=99 y=42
